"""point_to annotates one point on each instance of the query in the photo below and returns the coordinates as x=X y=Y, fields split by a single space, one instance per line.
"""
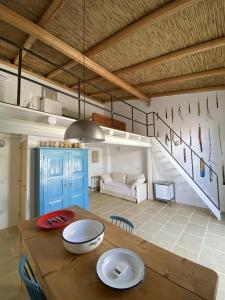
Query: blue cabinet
x=61 y=178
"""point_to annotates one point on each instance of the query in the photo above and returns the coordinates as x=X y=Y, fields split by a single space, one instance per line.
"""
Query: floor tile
x=173 y=228
x=142 y=217
x=213 y=259
x=160 y=218
x=190 y=241
x=164 y=240
x=214 y=241
x=195 y=229
x=179 y=219
x=186 y=253
x=144 y=235
x=186 y=210
x=199 y=220
x=216 y=229
x=151 y=227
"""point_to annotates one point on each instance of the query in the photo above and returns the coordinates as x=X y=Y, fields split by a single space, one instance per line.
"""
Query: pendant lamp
x=85 y=131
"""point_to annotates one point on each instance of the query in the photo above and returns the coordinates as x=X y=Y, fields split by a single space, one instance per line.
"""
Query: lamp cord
x=84 y=89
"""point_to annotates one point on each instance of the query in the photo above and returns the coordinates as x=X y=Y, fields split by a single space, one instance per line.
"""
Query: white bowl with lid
x=83 y=236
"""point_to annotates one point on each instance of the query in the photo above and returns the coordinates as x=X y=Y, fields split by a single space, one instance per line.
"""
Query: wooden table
x=65 y=276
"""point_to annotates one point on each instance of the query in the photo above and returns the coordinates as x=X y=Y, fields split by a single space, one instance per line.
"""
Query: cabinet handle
x=64 y=184
x=70 y=184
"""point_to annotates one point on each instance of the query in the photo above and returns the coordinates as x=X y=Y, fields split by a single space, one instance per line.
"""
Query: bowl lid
x=120 y=268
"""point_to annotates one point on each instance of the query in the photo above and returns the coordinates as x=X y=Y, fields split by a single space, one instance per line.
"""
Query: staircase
x=168 y=157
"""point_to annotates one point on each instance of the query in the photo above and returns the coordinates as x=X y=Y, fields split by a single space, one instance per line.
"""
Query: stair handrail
x=192 y=152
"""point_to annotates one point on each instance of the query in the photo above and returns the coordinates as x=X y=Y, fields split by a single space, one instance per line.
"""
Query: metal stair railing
x=192 y=158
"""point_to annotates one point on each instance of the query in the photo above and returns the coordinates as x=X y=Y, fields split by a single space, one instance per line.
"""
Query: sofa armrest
x=102 y=185
x=141 y=190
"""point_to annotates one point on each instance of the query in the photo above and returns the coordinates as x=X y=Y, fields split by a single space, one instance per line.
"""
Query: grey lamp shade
x=85 y=131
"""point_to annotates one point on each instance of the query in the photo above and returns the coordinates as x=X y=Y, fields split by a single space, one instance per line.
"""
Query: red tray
x=46 y=222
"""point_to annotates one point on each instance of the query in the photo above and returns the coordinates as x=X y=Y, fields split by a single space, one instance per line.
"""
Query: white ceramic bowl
x=83 y=236
x=120 y=268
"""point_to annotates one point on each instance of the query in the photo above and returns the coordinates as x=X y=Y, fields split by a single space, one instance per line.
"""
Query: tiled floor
x=9 y=256
x=187 y=231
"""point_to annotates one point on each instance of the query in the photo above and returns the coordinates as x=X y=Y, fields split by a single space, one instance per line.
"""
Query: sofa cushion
x=131 y=178
x=119 y=188
x=106 y=178
x=119 y=177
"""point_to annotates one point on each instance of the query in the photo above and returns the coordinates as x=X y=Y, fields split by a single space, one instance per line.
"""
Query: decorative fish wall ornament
x=210 y=153
x=221 y=150
x=167 y=139
x=210 y=144
x=172 y=114
x=190 y=138
x=217 y=101
x=202 y=167
x=189 y=108
x=166 y=113
x=199 y=108
x=180 y=113
x=220 y=141
x=210 y=174
x=223 y=174
x=200 y=138
x=185 y=155
x=207 y=108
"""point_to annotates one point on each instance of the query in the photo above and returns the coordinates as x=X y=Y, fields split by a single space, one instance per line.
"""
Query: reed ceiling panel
x=103 y=18
x=191 y=84
x=30 y=9
x=198 y=23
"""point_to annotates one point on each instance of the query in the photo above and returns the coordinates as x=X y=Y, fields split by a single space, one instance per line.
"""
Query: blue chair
x=27 y=276
x=122 y=223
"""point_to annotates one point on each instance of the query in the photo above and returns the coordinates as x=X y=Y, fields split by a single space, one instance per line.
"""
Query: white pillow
x=119 y=177
x=131 y=178
x=133 y=184
x=106 y=178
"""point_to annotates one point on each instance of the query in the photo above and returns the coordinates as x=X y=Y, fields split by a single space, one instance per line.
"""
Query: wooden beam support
x=50 y=81
x=44 y=20
x=174 y=93
x=173 y=56
x=174 y=80
x=127 y=31
x=14 y=19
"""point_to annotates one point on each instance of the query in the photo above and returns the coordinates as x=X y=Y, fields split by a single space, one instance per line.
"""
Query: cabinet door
x=54 y=180
x=78 y=178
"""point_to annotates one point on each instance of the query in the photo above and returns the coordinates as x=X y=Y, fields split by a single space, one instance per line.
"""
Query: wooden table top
x=63 y=275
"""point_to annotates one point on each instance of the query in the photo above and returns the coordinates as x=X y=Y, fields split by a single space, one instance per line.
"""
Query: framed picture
x=94 y=157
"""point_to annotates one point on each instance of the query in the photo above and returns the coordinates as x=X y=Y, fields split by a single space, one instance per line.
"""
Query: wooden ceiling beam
x=173 y=80
x=212 y=44
x=44 y=20
x=174 y=93
x=16 y=20
x=127 y=31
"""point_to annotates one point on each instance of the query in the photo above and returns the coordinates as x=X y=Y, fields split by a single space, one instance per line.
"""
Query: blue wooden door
x=54 y=170
x=78 y=178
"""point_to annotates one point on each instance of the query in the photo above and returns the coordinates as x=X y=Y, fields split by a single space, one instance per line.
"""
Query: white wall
x=31 y=91
x=192 y=121
x=131 y=160
x=9 y=180
x=125 y=110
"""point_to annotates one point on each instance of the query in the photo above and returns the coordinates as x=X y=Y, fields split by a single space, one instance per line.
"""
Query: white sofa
x=122 y=185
